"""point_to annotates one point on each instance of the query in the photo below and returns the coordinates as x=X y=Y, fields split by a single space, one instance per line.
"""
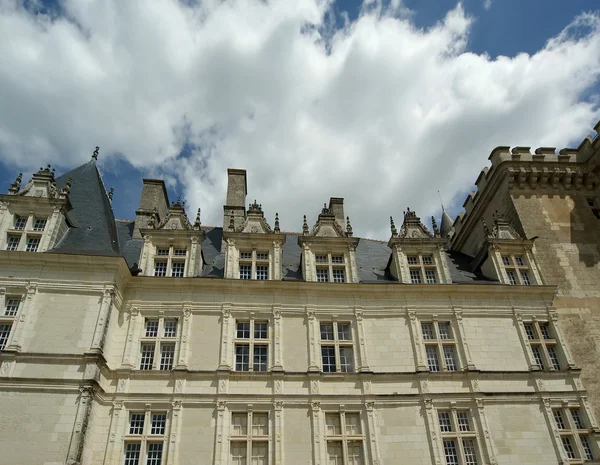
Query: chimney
x=154 y=195
x=336 y=206
x=235 y=204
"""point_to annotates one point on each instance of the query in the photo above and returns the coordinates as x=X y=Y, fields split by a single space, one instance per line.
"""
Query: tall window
x=254 y=265
x=458 y=437
x=7 y=319
x=421 y=269
x=157 y=350
x=575 y=433
x=249 y=442
x=440 y=346
x=170 y=262
x=517 y=270
x=331 y=268
x=145 y=438
x=336 y=347
x=252 y=346
x=544 y=347
x=26 y=230
x=344 y=438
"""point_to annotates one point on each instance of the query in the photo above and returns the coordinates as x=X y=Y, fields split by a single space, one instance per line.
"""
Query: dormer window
x=170 y=262
x=517 y=270
x=39 y=224
x=254 y=265
x=32 y=244
x=421 y=268
x=330 y=268
x=20 y=223
x=13 y=242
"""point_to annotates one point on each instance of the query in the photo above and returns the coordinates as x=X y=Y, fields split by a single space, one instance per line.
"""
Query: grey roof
x=446 y=224
x=94 y=230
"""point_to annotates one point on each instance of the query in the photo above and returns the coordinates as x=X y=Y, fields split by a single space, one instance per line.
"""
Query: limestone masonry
x=165 y=341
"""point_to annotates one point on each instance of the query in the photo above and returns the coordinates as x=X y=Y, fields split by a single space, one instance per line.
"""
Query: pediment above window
x=42 y=185
x=327 y=225
x=254 y=223
x=175 y=219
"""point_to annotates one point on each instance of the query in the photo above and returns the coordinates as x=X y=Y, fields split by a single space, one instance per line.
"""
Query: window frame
x=518 y=265
x=249 y=438
x=22 y=229
x=574 y=431
x=170 y=259
x=343 y=438
x=439 y=344
x=330 y=264
x=8 y=319
x=159 y=341
x=146 y=437
x=337 y=344
x=539 y=342
x=419 y=267
x=452 y=431
x=252 y=342
x=254 y=261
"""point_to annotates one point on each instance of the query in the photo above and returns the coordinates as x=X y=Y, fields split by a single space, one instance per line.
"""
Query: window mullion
x=157 y=353
x=251 y=352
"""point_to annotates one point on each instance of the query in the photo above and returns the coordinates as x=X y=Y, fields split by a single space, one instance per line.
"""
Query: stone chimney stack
x=237 y=188
x=154 y=195
x=336 y=206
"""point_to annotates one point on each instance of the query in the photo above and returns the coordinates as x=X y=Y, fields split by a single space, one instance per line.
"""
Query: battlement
x=544 y=168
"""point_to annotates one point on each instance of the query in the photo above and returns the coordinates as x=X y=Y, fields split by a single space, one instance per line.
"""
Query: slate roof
x=94 y=231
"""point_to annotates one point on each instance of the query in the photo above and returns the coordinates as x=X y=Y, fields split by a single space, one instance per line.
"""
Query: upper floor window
x=7 y=319
x=440 y=346
x=344 y=438
x=251 y=345
x=544 y=346
x=337 y=353
x=330 y=268
x=158 y=343
x=459 y=439
x=26 y=233
x=170 y=261
x=517 y=270
x=575 y=433
x=249 y=438
x=421 y=269
x=254 y=265
x=145 y=438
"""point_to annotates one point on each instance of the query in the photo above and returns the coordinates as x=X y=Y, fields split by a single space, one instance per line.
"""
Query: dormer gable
x=33 y=217
x=172 y=246
x=328 y=250
x=505 y=255
x=418 y=255
x=253 y=250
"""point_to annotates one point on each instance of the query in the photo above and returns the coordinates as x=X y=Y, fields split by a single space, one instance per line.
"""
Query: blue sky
x=93 y=70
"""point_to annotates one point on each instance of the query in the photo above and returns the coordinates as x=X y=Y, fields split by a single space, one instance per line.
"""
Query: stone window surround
x=9 y=318
x=18 y=321
x=338 y=344
x=159 y=341
x=28 y=231
x=234 y=313
x=330 y=265
x=155 y=239
x=146 y=437
x=344 y=438
x=249 y=439
x=366 y=411
x=136 y=336
x=506 y=249
x=551 y=319
x=442 y=273
x=255 y=243
x=251 y=342
x=439 y=344
x=329 y=246
x=254 y=261
x=171 y=257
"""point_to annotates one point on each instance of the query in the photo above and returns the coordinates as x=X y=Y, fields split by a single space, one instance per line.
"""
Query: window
x=32 y=244
x=252 y=338
x=337 y=353
x=458 y=437
x=421 y=269
x=540 y=338
x=39 y=224
x=13 y=242
x=20 y=223
x=250 y=442
x=330 y=268
x=440 y=346
x=170 y=262
x=145 y=438
x=517 y=270
x=254 y=265
x=344 y=438
x=7 y=319
x=158 y=344
x=574 y=430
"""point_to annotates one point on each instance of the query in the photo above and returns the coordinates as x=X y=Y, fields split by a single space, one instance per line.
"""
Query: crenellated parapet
x=519 y=170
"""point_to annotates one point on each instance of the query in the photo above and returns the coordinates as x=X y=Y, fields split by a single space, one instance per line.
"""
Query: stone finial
x=277 y=230
x=67 y=188
x=436 y=231
x=111 y=192
x=16 y=186
x=197 y=222
x=231 y=222
x=486 y=230
x=95 y=154
x=326 y=210
x=305 y=227
x=348 y=227
x=393 y=227
x=153 y=219
x=255 y=207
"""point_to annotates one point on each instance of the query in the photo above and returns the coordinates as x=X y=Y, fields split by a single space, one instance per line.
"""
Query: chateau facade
x=164 y=341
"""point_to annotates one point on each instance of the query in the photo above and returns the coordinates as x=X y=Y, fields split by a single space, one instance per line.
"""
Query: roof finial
x=486 y=230
x=15 y=186
x=231 y=222
x=305 y=227
x=95 y=154
x=197 y=222
x=277 y=230
x=393 y=226
x=67 y=188
x=110 y=193
x=348 y=227
x=436 y=231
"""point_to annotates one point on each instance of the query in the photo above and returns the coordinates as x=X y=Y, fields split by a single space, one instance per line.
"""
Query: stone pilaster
x=115 y=433
x=103 y=320
x=319 y=442
x=313 y=338
x=81 y=420
x=186 y=322
x=485 y=429
x=415 y=332
x=175 y=430
x=277 y=338
x=371 y=437
x=226 y=362
x=276 y=263
x=432 y=431
x=146 y=259
x=463 y=341
x=222 y=449
x=278 y=427
x=133 y=336
x=560 y=338
x=363 y=363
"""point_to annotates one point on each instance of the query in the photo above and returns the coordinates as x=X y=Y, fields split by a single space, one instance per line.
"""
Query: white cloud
x=487 y=4
x=379 y=112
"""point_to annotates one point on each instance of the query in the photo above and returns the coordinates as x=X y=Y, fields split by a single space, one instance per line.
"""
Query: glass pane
x=545 y=330
x=338 y=275
x=355 y=453
x=177 y=269
x=321 y=258
x=334 y=425
x=525 y=278
x=432 y=359
x=553 y=357
x=427 y=260
x=242 y=357
x=260 y=330
x=238 y=453
x=577 y=418
x=505 y=260
x=262 y=272
x=558 y=418
x=160 y=268
x=262 y=255
x=463 y=421
x=260 y=423
x=450 y=452
x=512 y=278
x=39 y=224
x=537 y=356
x=167 y=356
x=327 y=331
x=179 y=252
x=346 y=359
x=159 y=421
x=245 y=271
x=334 y=453
x=352 y=424
x=162 y=252
x=427 y=330
x=412 y=260
x=445 y=423
x=344 y=333
x=32 y=244
x=519 y=261
x=11 y=307
x=4 y=333
x=147 y=357
x=20 y=222
x=337 y=259
x=259 y=453
x=136 y=423
x=260 y=358
x=470 y=451
x=415 y=276
x=245 y=255
x=151 y=328
x=328 y=359
x=445 y=332
x=243 y=330
x=154 y=454
x=239 y=424
x=322 y=275
x=132 y=453
x=529 y=331
x=587 y=448
x=430 y=277
x=568 y=445
x=450 y=358
x=170 y=328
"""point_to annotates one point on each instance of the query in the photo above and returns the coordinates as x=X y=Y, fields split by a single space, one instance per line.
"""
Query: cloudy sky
x=383 y=104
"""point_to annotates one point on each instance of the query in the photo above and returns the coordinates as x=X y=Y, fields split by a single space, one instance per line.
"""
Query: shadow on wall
x=585 y=228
